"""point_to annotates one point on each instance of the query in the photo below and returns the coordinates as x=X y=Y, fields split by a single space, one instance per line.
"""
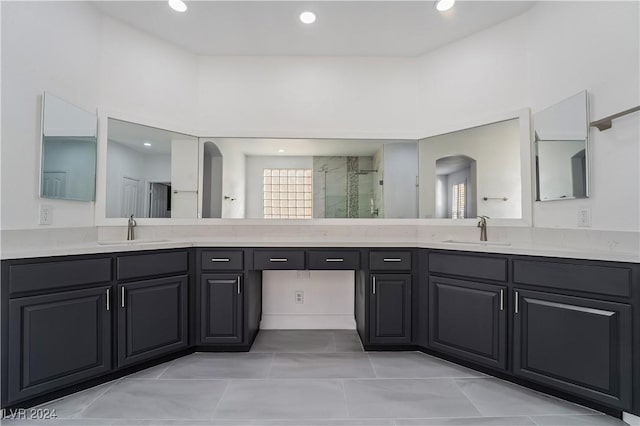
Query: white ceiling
x=342 y=28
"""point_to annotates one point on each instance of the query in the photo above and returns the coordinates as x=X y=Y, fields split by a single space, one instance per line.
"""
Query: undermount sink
x=129 y=242
x=477 y=243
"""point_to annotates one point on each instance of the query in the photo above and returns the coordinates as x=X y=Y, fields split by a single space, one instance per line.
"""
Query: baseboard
x=307 y=322
x=631 y=419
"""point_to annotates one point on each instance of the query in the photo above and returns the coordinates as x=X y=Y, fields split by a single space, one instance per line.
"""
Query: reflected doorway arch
x=211 y=181
x=456 y=185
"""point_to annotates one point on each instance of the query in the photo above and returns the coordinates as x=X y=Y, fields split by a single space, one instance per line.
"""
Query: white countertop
x=524 y=248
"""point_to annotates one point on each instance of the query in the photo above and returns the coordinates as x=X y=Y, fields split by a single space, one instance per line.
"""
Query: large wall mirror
x=151 y=172
x=561 y=142
x=261 y=178
x=480 y=170
x=475 y=172
x=68 y=163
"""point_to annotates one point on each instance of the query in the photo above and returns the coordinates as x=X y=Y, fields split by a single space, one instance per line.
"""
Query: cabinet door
x=390 y=309
x=57 y=340
x=468 y=319
x=221 y=308
x=152 y=318
x=577 y=345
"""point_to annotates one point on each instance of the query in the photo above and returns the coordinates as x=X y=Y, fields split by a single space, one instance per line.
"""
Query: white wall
x=45 y=46
x=307 y=96
x=594 y=46
x=70 y=50
x=536 y=59
x=328 y=300
x=255 y=167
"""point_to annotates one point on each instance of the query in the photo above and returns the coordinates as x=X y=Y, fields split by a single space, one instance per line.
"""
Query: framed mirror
x=268 y=178
x=151 y=172
x=561 y=143
x=68 y=159
x=478 y=171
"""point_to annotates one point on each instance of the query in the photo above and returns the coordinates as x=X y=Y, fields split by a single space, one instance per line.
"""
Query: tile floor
x=314 y=378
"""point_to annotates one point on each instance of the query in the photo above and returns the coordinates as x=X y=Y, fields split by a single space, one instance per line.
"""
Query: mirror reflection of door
x=456 y=187
x=54 y=184
x=159 y=199
x=211 y=181
x=130 y=197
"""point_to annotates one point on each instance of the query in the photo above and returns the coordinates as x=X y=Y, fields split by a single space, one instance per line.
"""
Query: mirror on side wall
x=561 y=142
x=472 y=172
x=68 y=163
x=151 y=172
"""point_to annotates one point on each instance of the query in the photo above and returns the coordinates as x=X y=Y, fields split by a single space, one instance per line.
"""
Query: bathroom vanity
x=563 y=326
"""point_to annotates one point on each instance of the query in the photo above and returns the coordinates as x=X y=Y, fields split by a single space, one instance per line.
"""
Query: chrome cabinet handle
x=374 y=285
x=122 y=296
x=391 y=259
x=338 y=259
x=501 y=299
x=238 y=284
x=220 y=260
x=516 y=303
x=108 y=297
x=278 y=259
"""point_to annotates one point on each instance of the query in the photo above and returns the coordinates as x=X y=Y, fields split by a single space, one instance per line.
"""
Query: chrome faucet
x=130 y=226
x=482 y=224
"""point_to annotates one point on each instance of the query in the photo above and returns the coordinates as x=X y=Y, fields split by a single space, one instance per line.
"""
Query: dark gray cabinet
x=58 y=339
x=221 y=308
x=578 y=345
x=152 y=318
x=468 y=319
x=390 y=309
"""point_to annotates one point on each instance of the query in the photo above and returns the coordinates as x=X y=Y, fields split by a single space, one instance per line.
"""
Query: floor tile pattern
x=313 y=378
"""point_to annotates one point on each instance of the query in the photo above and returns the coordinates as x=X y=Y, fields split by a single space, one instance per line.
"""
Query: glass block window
x=288 y=193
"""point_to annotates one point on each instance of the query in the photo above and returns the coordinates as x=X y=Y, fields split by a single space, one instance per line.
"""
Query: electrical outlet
x=584 y=218
x=299 y=297
x=46 y=214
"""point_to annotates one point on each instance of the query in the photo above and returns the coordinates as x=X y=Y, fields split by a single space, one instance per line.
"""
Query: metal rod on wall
x=495 y=198
x=605 y=123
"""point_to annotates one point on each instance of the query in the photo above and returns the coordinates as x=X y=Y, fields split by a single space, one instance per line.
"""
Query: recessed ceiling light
x=281 y=150
x=443 y=5
x=147 y=144
x=308 y=17
x=178 y=5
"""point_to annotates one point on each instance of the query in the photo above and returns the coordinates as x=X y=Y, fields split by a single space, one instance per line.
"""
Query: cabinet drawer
x=222 y=260
x=278 y=259
x=52 y=275
x=390 y=260
x=489 y=268
x=610 y=280
x=144 y=265
x=349 y=260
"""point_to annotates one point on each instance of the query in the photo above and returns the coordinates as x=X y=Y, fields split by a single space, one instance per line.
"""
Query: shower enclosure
x=344 y=187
